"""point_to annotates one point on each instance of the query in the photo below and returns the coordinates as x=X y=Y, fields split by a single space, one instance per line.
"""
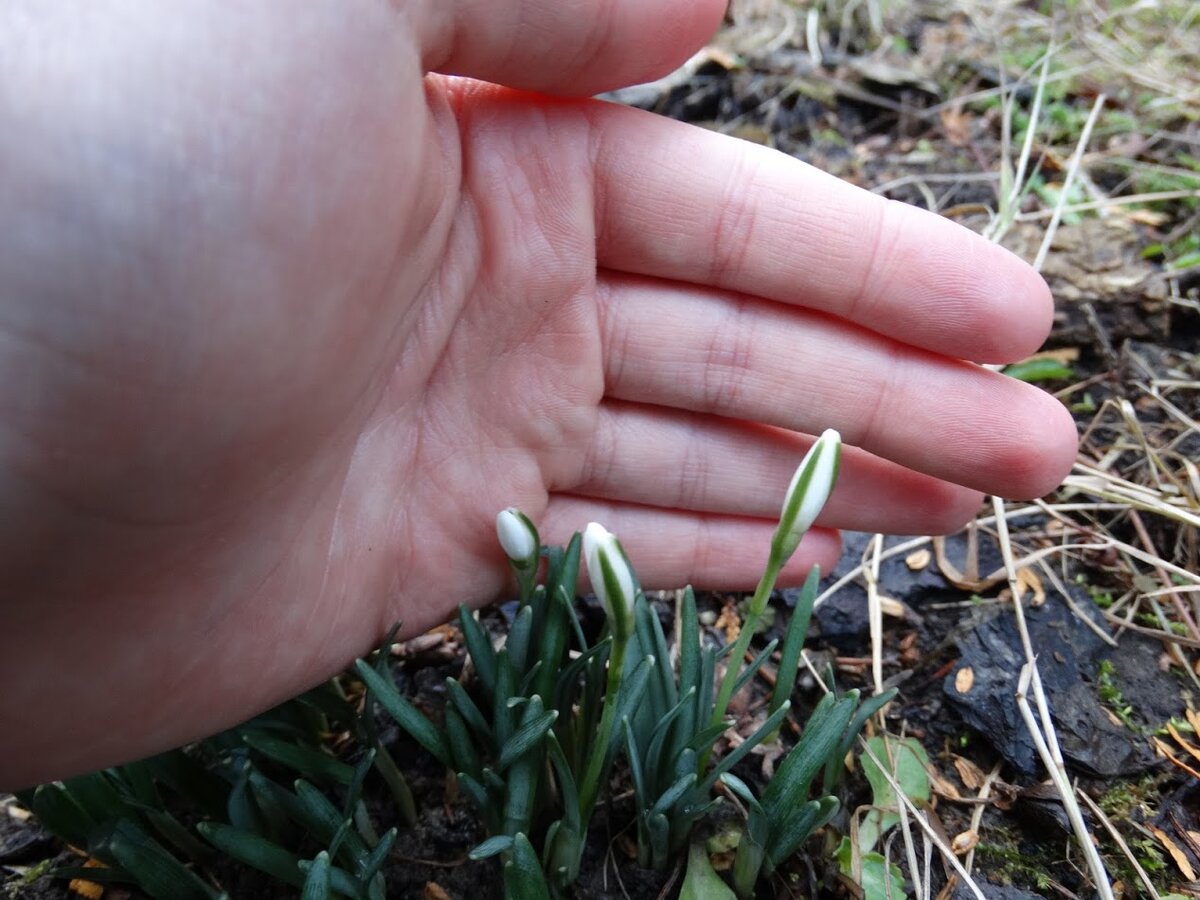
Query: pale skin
x=285 y=321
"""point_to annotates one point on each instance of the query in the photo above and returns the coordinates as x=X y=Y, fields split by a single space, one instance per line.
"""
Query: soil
x=951 y=648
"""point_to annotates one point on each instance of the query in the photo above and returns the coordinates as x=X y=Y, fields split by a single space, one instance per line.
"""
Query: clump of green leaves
x=533 y=738
x=121 y=815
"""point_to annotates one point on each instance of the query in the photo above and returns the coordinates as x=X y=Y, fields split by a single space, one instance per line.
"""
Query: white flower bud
x=518 y=537
x=611 y=577
x=806 y=495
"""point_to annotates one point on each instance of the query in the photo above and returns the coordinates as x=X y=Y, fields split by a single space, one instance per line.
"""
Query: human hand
x=285 y=324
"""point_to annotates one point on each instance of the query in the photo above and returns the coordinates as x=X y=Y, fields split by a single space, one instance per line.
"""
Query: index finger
x=678 y=202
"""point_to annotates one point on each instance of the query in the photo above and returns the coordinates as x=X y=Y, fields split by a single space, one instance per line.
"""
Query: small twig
x=1072 y=171
x=985 y=791
x=875 y=613
x=1120 y=842
x=1045 y=737
x=933 y=836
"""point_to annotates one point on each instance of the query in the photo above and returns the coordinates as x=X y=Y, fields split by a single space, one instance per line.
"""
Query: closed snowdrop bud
x=518 y=537
x=611 y=577
x=806 y=495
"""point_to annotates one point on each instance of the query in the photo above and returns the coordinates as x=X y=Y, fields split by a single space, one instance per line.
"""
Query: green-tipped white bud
x=611 y=577
x=806 y=495
x=518 y=537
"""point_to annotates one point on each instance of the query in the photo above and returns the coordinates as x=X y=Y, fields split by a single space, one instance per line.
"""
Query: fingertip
x=558 y=48
x=1044 y=454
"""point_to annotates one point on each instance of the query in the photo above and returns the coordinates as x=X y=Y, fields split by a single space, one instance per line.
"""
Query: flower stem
x=758 y=606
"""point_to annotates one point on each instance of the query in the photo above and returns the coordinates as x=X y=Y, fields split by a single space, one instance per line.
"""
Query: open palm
x=292 y=323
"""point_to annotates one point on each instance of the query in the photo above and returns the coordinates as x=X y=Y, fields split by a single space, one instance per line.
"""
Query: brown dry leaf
x=943 y=786
x=1165 y=749
x=891 y=607
x=964 y=680
x=1147 y=217
x=1194 y=720
x=1183 y=742
x=1177 y=854
x=964 y=842
x=434 y=891
x=1027 y=580
x=918 y=559
x=970 y=774
x=957 y=124
x=1064 y=355
x=729 y=622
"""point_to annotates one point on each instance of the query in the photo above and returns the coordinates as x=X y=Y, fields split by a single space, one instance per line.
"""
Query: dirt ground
x=908 y=100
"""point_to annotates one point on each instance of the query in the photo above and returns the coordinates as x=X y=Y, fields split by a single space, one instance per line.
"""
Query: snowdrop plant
x=806 y=496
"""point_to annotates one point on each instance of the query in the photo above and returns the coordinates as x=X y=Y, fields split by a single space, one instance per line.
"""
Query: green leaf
x=702 y=882
x=909 y=764
x=797 y=822
x=635 y=765
x=821 y=738
x=527 y=736
x=406 y=715
x=878 y=879
x=254 y=851
x=60 y=813
x=518 y=639
x=461 y=744
x=316 y=884
x=523 y=876
x=674 y=794
x=752 y=668
x=156 y=871
x=729 y=760
x=793 y=642
x=493 y=846
x=373 y=861
x=1043 y=369
x=305 y=760
x=479 y=646
x=326 y=820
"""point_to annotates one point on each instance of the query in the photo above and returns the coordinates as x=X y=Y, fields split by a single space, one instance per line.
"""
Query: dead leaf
x=964 y=680
x=918 y=559
x=964 y=842
x=891 y=607
x=943 y=787
x=1176 y=852
x=970 y=774
x=434 y=891
x=957 y=124
x=729 y=621
x=1027 y=580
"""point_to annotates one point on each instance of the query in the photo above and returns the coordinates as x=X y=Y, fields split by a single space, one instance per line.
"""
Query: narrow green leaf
x=742 y=790
x=635 y=766
x=479 y=646
x=503 y=718
x=731 y=759
x=373 y=861
x=156 y=871
x=316 y=884
x=660 y=760
x=60 y=813
x=470 y=713
x=821 y=737
x=326 y=819
x=406 y=715
x=526 y=737
x=754 y=665
x=254 y=851
x=307 y=761
x=674 y=794
x=523 y=876
x=493 y=846
x=794 y=824
x=518 y=639
x=461 y=745
x=793 y=642
x=354 y=792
